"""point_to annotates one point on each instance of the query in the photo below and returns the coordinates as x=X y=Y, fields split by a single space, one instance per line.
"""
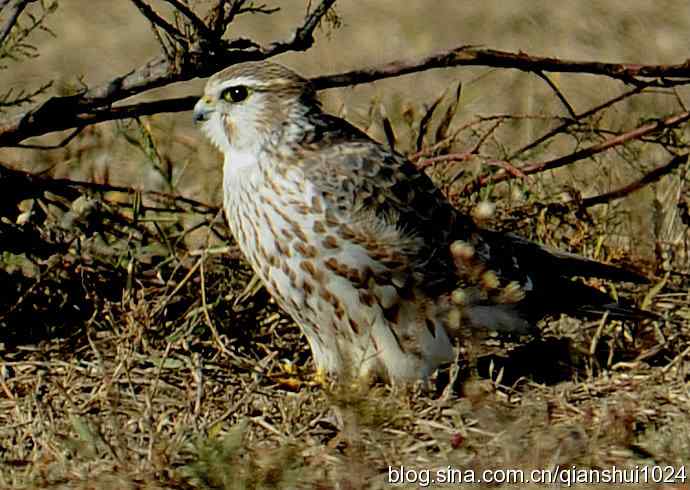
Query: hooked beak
x=202 y=110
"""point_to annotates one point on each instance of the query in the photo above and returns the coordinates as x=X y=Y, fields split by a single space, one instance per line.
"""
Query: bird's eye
x=235 y=94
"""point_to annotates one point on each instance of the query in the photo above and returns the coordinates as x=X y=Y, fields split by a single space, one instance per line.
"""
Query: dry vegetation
x=136 y=351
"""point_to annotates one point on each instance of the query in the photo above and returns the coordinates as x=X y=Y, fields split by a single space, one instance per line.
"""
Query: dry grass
x=140 y=394
x=134 y=354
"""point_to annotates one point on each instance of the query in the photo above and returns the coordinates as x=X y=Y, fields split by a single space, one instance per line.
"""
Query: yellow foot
x=320 y=378
x=287 y=376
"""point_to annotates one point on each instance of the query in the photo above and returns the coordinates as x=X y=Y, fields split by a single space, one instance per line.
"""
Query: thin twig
x=93 y=105
x=16 y=10
x=17 y=179
x=502 y=175
x=486 y=135
x=156 y=20
x=303 y=37
x=258 y=9
x=23 y=97
x=578 y=117
x=429 y=150
x=558 y=93
x=450 y=157
x=196 y=22
x=205 y=307
x=679 y=99
x=66 y=112
x=648 y=178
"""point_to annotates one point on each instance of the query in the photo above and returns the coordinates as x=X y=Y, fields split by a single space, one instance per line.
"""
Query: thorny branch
x=634 y=74
x=16 y=7
x=640 y=131
x=648 y=178
x=201 y=50
x=208 y=55
x=158 y=21
x=578 y=117
x=26 y=185
x=202 y=57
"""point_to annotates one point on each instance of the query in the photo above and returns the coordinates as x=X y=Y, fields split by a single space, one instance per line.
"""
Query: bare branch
x=82 y=108
x=75 y=132
x=93 y=105
x=448 y=157
x=578 y=117
x=558 y=93
x=196 y=22
x=645 y=129
x=303 y=37
x=12 y=99
x=259 y=9
x=475 y=56
x=648 y=178
x=30 y=185
x=217 y=20
x=16 y=8
x=158 y=21
x=43 y=124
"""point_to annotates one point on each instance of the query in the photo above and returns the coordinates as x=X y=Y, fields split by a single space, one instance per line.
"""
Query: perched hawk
x=359 y=247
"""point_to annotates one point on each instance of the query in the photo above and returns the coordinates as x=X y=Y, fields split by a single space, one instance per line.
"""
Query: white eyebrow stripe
x=249 y=82
x=254 y=83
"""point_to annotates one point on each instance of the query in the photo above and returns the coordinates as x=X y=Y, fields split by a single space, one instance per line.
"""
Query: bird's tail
x=565 y=263
x=578 y=299
x=550 y=274
x=575 y=265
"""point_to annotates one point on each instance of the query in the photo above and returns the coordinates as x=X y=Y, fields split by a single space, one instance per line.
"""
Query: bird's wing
x=376 y=191
x=376 y=188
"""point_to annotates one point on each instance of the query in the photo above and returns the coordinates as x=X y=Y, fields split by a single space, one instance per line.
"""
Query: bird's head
x=247 y=104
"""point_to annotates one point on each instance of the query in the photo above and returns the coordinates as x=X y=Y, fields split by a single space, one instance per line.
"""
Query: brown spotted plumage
x=358 y=246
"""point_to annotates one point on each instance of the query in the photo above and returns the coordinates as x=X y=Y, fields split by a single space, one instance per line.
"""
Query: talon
x=512 y=293
x=459 y=297
x=484 y=210
x=462 y=250
x=489 y=280
x=453 y=319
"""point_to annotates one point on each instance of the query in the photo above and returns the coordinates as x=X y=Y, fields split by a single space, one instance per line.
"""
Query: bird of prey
x=359 y=247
